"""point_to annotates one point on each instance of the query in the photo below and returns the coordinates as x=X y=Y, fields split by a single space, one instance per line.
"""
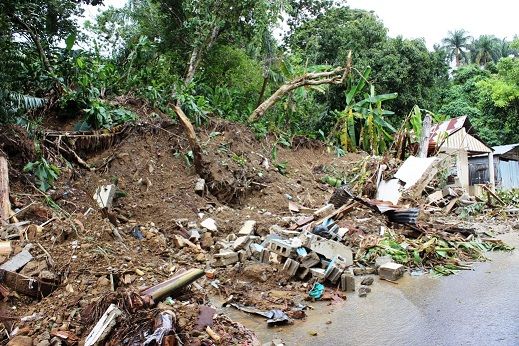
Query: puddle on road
x=475 y=307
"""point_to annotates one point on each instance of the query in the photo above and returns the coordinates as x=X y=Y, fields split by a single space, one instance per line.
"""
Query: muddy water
x=478 y=307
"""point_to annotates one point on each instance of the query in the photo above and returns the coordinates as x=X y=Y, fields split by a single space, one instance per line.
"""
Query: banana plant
x=363 y=123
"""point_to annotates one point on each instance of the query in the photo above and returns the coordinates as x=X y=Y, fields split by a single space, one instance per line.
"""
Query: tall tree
x=485 y=49
x=457 y=44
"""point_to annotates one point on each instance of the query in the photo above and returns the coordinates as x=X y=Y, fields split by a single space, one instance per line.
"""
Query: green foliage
x=363 y=123
x=46 y=173
x=101 y=115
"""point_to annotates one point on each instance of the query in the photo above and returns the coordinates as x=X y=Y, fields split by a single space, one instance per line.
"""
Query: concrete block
x=248 y=228
x=265 y=255
x=282 y=247
x=310 y=260
x=226 y=257
x=347 y=282
x=335 y=269
x=303 y=272
x=391 y=271
x=317 y=273
x=290 y=267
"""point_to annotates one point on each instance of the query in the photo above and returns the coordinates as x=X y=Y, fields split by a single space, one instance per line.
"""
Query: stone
x=367 y=281
x=290 y=267
x=20 y=340
x=242 y=255
x=47 y=275
x=206 y=240
x=363 y=291
x=348 y=282
x=103 y=281
x=226 y=257
x=43 y=343
x=200 y=186
x=391 y=271
x=247 y=228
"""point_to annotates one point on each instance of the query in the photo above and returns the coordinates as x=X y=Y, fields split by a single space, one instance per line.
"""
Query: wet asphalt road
x=477 y=307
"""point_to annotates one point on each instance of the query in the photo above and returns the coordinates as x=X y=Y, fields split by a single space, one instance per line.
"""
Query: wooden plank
x=5 y=205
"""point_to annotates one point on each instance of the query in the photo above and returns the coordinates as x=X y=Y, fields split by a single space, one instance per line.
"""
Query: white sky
x=433 y=19
x=430 y=19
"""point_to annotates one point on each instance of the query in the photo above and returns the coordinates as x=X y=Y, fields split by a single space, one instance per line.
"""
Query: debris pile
x=141 y=253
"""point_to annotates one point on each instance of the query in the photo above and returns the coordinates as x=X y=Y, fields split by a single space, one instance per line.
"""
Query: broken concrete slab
x=413 y=169
x=389 y=191
x=226 y=257
x=248 y=228
x=326 y=247
x=391 y=271
x=240 y=243
x=19 y=260
x=382 y=260
x=209 y=224
x=104 y=196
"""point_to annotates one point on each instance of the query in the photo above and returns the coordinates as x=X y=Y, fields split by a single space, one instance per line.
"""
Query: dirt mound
x=94 y=253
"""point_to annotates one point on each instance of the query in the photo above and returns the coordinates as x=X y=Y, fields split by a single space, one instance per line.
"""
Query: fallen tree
x=336 y=76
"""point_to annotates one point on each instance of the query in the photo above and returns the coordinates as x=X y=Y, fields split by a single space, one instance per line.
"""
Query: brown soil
x=156 y=191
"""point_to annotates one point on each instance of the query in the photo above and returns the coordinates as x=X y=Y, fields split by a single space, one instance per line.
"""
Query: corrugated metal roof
x=447 y=127
x=503 y=149
x=456 y=134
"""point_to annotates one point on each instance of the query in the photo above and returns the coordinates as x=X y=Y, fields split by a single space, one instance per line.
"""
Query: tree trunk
x=36 y=39
x=5 y=205
x=458 y=59
x=424 y=138
x=336 y=76
x=197 y=53
x=262 y=91
x=193 y=142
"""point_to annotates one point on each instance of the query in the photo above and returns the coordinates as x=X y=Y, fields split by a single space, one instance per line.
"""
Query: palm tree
x=485 y=49
x=457 y=44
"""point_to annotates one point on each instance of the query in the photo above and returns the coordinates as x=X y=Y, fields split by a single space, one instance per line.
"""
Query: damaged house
x=506 y=167
x=458 y=138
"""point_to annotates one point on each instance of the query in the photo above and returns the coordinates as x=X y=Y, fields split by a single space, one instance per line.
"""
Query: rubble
x=241 y=244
